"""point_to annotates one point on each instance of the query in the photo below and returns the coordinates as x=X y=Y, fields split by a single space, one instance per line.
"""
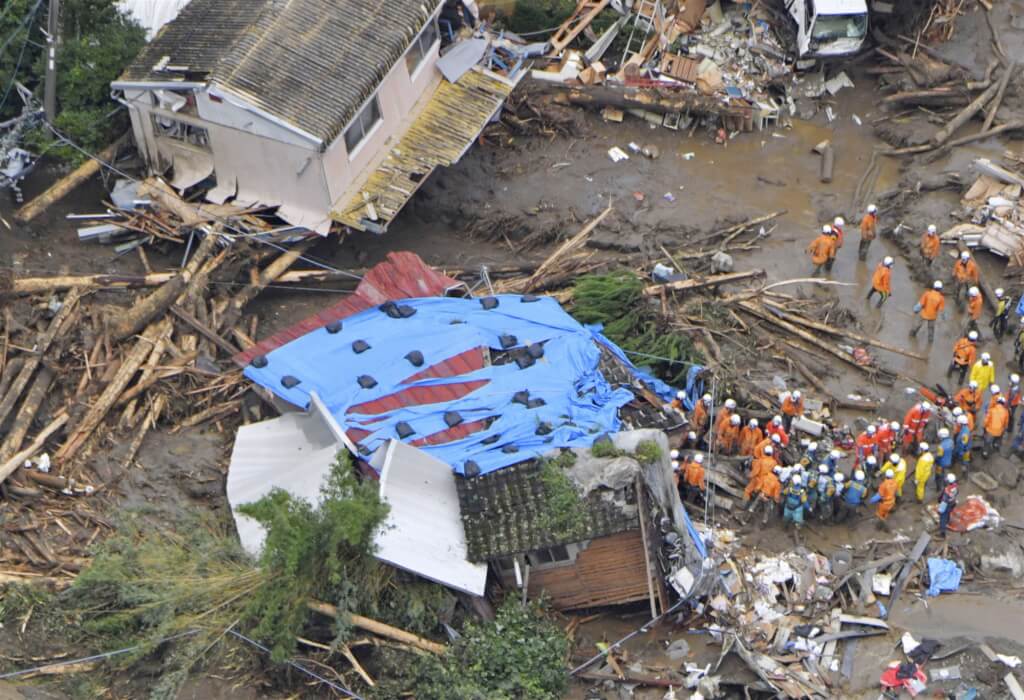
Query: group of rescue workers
x=799 y=479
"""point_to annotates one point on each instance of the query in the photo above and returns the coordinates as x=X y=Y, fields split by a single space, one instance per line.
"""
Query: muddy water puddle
x=977 y=617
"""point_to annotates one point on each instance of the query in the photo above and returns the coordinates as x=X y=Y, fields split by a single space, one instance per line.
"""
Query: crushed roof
x=311 y=63
x=503 y=513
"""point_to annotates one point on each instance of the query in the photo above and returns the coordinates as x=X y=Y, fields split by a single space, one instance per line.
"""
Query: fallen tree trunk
x=965 y=115
x=998 y=99
x=62 y=187
x=1016 y=125
x=36 y=285
x=691 y=284
x=380 y=628
x=570 y=245
x=8 y=467
x=27 y=413
x=653 y=100
x=935 y=97
x=268 y=275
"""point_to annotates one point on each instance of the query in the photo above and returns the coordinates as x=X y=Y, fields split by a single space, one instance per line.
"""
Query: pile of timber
x=88 y=373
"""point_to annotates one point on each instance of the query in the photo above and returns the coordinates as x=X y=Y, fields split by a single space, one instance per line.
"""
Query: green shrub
x=648 y=452
x=605 y=449
x=563 y=512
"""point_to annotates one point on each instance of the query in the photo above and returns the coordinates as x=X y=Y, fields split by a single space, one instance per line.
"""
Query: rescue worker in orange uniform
x=725 y=414
x=929 y=307
x=699 y=415
x=868 y=231
x=772 y=441
x=792 y=406
x=750 y=435
x=881 y=281
x=768 y=494
x=886 y=496
x=693 y=476
x=837 y=231
x=758 y=468
x=965 y=272
x=969 y=398
x=885 y=438
x=776 y=427
x=930 y=245
x=866 y=445
x=965 y=352
x=729 y=436
x=997 y=419
x=914 y=423
x=822 y=250
x=974 y=303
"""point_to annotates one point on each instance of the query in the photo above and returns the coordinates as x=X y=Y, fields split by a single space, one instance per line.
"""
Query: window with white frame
x=420 y=47
x=362 y=125
x=558 y=555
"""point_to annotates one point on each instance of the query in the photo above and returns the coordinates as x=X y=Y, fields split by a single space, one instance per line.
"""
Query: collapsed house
x=993 y=212
x=457 y=404
x=348 y=102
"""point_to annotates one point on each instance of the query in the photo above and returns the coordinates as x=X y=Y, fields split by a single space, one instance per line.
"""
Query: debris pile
x=993 y=217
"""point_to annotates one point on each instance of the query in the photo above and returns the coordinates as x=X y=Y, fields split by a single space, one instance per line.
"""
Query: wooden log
x=653 y=100
x=841 y=332
x=129 y=366
x=1016 y=125
x=941 y=96
x=269 y=274
x=965 y=115
x=11 y=370
x=27 y=413
x=173 y=368
x=66 y=184
x=57 y=326
x=700 y=283
x=569 y=246
x=998 y=99
x=828 y=164
x=142 y=313
x=379 y=628
x=204 y=330
x=8 y=467
x=37 y=285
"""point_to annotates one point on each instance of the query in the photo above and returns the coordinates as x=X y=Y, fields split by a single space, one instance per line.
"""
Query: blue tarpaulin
x=944 y=576
x=568 y=402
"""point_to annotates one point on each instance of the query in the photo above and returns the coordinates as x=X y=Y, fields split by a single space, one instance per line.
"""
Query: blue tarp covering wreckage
x=552 y=395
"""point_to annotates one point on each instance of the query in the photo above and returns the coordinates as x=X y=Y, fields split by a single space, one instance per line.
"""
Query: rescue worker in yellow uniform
x=923 y=470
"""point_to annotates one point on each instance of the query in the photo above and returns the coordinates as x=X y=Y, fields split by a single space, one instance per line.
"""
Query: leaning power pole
x=52 y=30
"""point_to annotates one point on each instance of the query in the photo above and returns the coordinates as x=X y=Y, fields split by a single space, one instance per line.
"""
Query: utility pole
x=50 y=91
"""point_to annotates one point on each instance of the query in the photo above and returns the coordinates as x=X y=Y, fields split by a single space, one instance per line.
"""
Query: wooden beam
x=204 y=330
x=379 y=628
x=700 y=283
x=585 y=13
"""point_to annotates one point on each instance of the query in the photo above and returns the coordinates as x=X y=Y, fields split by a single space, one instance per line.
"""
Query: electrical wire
x=21 y=57
x=24 y=23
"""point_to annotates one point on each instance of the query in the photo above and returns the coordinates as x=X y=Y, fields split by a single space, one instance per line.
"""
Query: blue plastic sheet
x=579 y=404
x=944 y=576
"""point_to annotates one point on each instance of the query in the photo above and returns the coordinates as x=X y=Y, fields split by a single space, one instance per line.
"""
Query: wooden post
x=380 y=629
x=965 y=115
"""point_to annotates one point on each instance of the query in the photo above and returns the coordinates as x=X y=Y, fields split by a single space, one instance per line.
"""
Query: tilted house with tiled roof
x=331 y=110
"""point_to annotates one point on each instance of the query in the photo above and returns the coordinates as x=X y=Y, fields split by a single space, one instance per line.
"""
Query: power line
x=24 y=23
x=17 y=65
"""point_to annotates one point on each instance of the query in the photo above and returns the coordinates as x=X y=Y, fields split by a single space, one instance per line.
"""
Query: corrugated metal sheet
x=423 y=532
x=313 y=63
x=293 y=452
x=402 y=275
x=202 y=33
x=456 y=114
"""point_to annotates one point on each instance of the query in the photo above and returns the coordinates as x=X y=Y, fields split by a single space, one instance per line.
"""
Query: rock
x=678 y=650
x=1008 y=562
x=651 y=151
x=722 y=262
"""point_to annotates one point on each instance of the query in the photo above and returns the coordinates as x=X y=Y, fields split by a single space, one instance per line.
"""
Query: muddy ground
x=534 y=191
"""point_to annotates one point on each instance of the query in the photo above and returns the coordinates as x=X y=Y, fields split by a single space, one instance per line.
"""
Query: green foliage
x=616 y=300
x=537 y=15
x=605 y=448
x=311 y=550
x=648 y=452
x=563 y=512
x=521 y=654
x=97 y=42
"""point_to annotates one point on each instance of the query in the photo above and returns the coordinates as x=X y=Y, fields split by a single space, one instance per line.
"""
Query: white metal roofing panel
x=294 y=452
x=423 y=533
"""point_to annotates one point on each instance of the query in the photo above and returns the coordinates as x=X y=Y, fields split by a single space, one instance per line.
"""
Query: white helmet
x=839 y=221
x=823 y=469
x=943 y=433
x=839 y=477
x=931 y=228
x=797 y=479
x=1014 y=379
x=776 y=469
x=812 y=446
x=826 y=229
x=889 y=473
x=674 y=454
x=698 y=458
x=777 y=420
x=706 y=398
x=961 y=420
x=925 y=406
x=871 y=460
x=888 y=261
x=974 y=384
x=957 y=411
x=691 y=435
x=775 y=438
x=730 y=404
x=768 y=450
x=797 y=394
x=734 y=419
x=675 y=465
x=995 y=389
x=964 y=255
x=753 y=423
x=835 y=454
x=680 y=394
x=872 y=429
x=858 y=475
x=973 y=292
x=985 y=357
x=999 y=292
x=923 y=447
x=895 y=425
x=872 y=209
x=937 y=284
x=951 y=477
x=894 y=458
x=972 y=336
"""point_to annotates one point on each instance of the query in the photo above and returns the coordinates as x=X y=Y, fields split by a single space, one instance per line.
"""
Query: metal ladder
x=646 y=11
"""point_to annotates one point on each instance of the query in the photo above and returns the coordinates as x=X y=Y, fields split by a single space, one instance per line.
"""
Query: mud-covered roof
x=310 y=63
x=505 y=512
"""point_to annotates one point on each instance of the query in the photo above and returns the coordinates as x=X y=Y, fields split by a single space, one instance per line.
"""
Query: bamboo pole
x=379 y=628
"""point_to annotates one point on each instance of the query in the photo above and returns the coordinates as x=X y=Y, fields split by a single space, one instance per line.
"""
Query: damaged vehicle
x=827 y=28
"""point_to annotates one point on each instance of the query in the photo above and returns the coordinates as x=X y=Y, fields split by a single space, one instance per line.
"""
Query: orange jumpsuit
x=914 y=423
x=969 y=400
x=749 y=437
x=884 y=438
x=887 y=490
x=699 y=417
x=966 y=273
x=729 y=438
x=964 y=353
x=822 y=249
x=974 y=307
x=770 y=487
x=759 y=448
x=693 y=474
x=881 y=280
x=997 y=418
x=930 y=246
x=932 y=302
x=867 y=445
x=868 y=226
x=722 y=422
x=791 y=407
x=772 y=429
